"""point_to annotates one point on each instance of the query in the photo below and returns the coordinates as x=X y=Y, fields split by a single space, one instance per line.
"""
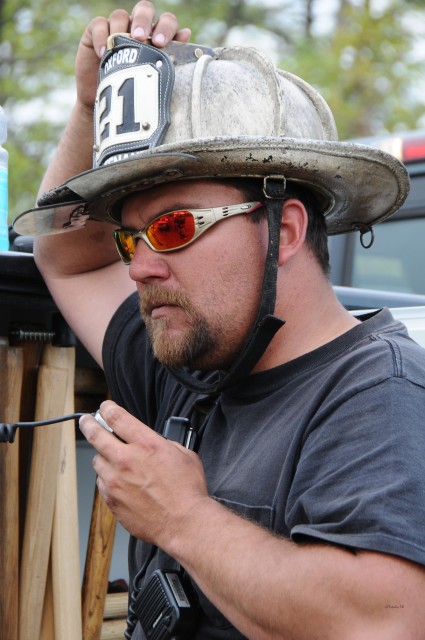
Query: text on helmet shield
x=123 y=56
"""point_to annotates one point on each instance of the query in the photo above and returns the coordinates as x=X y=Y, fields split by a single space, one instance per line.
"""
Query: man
x=300 y=514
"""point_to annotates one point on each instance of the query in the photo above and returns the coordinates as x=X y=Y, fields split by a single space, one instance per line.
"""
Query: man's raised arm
x=82 y=268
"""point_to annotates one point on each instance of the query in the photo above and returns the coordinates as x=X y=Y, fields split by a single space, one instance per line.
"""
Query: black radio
x=180 y=430
x=167 y=606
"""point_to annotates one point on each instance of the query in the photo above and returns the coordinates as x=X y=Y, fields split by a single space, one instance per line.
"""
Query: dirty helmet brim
x=273 y=124
x=358 y=186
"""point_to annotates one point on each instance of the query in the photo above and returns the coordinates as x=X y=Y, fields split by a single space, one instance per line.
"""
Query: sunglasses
x=176 y=229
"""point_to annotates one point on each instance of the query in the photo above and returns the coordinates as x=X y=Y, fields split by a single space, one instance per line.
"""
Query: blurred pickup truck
x=396 y=260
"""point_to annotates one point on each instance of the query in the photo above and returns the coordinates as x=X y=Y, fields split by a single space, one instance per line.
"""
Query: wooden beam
x=11 y=372
x=65 y=550
x=116 y=605
x=97 y=568
x=51 y=394
x=113 y=630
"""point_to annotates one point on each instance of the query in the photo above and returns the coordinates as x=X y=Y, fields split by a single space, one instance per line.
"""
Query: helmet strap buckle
x=274 y=187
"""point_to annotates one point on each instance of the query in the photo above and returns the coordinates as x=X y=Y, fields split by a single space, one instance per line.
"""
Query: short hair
x=316 y=236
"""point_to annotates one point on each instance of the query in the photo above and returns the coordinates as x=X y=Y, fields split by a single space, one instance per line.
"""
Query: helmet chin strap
x=266 y=324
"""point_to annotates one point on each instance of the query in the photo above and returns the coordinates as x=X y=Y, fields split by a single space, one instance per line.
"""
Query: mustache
x=155 y=296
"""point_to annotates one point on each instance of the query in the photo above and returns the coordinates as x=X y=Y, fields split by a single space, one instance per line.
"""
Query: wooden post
x=51 y=393
x=97 y=568
x=48 y=620
x=65 y=550
x=115 y=616
x=32 y=352
x=11 y=371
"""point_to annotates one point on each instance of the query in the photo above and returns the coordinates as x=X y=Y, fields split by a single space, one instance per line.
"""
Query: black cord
x=8 y=430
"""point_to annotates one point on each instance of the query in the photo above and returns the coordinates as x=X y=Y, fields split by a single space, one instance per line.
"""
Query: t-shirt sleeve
x=360 y=479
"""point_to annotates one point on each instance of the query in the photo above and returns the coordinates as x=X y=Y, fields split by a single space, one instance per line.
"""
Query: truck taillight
x=413 y=149
x=407 y=147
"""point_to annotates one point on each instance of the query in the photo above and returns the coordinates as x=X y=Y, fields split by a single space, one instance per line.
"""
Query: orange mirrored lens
x=126 y=245
x=172 y=230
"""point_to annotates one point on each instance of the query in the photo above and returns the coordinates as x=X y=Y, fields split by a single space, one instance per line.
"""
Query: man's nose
x=148 y=264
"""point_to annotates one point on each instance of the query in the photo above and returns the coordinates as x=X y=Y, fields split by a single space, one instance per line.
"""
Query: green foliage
x=38 y=42
x=365 y=70
x=212 y=23
x=364 y=66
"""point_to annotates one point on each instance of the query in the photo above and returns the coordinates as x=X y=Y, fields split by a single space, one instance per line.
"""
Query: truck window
x=396 y=260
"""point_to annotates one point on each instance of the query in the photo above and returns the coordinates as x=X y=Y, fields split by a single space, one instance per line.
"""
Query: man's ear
x=293 y=229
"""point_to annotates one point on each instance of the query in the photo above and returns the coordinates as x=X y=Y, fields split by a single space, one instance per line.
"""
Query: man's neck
x=308 y=326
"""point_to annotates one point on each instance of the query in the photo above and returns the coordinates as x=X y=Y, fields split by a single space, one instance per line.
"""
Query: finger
x=125 y=425
x=165 y=29
x=102 y=440
x=99 y=30
x=100 y=482
x=95 y=464
x=119 y=21
x=183 y=35
x=142 y=17
x=96 y=35
x=100 y=466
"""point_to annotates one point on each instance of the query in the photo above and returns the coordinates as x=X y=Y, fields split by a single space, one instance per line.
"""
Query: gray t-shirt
x=329 y=447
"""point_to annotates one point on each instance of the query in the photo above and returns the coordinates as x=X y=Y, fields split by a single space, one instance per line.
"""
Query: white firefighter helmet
x=186 y=112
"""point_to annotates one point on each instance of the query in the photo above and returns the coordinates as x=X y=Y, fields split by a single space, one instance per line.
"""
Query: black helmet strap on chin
x=266 y=324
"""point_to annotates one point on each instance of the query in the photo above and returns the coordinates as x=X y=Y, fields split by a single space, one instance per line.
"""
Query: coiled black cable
x=132 y=616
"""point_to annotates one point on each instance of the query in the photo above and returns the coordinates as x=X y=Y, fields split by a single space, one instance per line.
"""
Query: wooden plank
x=97 y=568
x=65 y=551
x=113 y=630
x=32 y=355
x=116 y=605
x=11 y=372
x=48 y=620
x=51 y=393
